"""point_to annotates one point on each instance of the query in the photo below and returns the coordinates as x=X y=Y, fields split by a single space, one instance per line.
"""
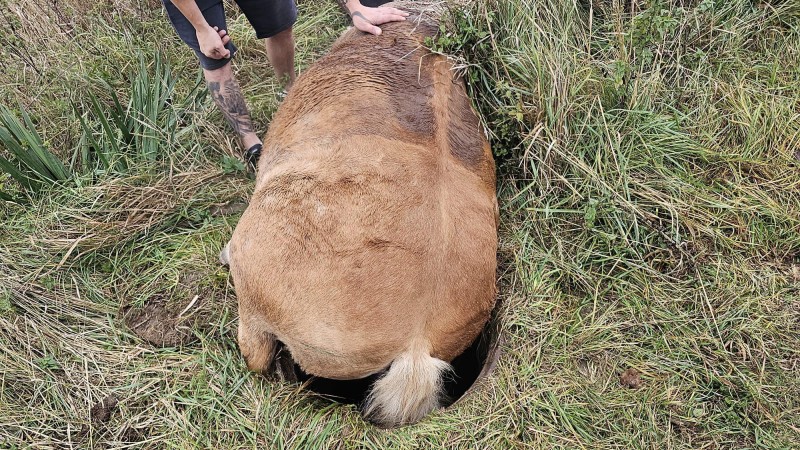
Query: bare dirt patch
x=167 y=319
x=101 y=411
x=158 y=322
x=99 y=414
x=631 y=378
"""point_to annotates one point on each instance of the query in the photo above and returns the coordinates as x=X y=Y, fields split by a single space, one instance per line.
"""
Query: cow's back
x=373 y=218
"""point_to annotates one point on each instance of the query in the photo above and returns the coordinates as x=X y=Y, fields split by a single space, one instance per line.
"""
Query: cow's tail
x=225 y=255
x=410 y=389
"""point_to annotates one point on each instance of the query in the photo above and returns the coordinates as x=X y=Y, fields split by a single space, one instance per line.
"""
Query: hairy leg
x=280 y=51
x=228 y=97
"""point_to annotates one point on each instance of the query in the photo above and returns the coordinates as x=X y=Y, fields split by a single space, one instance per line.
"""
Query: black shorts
x=268 y=18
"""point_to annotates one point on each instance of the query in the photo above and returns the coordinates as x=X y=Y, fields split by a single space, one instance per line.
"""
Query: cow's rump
x=359 y=254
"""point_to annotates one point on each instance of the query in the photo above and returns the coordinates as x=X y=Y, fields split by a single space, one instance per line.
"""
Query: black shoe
x=251 y=156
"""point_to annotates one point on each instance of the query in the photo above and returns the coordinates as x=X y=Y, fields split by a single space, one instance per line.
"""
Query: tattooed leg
x=228 y=97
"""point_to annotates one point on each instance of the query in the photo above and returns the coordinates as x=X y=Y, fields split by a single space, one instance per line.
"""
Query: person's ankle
x=248 y=140
x=252 y=154
x=286 y=81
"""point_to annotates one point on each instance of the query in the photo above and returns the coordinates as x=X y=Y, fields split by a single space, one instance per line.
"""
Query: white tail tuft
x=225 y=255
x=410 y=389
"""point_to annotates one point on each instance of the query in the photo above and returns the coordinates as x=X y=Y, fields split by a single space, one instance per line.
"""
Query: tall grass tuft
x=31 y=164
x=115 y=137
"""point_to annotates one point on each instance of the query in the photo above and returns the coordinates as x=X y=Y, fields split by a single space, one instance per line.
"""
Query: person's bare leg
x=280 y=51
x=226 y=94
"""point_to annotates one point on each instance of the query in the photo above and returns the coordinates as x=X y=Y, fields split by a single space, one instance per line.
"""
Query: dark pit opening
x=474 y=363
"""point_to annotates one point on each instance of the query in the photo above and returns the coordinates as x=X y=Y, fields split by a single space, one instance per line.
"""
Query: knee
x=282 y=37
x=219 y=73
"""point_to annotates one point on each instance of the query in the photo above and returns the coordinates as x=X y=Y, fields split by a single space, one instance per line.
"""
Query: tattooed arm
x=367 y=19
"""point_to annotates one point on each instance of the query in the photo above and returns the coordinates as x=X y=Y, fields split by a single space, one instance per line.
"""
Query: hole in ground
x=474 y=363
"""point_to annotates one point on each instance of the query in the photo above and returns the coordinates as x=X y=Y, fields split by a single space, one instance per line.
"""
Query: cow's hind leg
x=258 y=347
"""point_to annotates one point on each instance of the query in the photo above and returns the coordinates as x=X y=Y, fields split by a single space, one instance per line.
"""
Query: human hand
x=212 y=42
x=367 y=19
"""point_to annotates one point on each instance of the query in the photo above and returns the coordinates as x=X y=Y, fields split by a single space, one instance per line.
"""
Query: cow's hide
x=372 y=227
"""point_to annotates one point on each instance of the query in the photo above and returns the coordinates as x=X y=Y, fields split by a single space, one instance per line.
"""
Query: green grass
x=649 y=180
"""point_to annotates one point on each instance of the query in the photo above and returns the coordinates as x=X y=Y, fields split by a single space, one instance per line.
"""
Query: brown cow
x=370 y=240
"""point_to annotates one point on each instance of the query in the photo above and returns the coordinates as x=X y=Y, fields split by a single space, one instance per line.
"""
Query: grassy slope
x=651 y=220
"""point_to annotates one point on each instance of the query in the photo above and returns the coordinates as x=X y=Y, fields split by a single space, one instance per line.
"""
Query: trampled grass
x=649 y=177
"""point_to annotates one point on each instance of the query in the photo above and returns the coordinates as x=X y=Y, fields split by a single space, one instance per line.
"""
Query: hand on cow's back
x=367 y=19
